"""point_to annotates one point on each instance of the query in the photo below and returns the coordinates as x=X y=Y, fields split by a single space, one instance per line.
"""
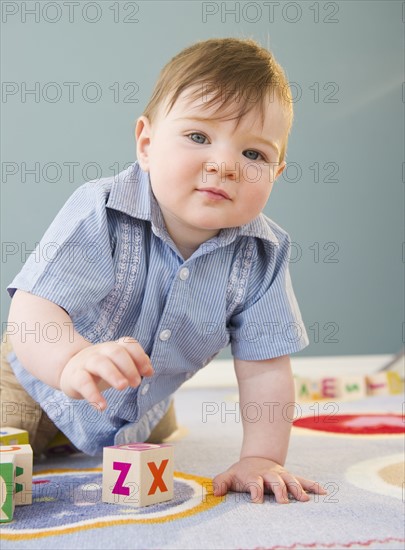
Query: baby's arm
x=269 y=385
x=72 y=363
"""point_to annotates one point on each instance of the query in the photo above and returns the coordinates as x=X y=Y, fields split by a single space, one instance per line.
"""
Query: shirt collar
x=259 y=227
x=131 y=194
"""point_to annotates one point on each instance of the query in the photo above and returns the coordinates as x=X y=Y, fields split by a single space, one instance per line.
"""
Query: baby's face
x=206 y=174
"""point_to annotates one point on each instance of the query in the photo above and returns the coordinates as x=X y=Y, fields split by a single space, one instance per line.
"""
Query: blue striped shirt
x=108 y=260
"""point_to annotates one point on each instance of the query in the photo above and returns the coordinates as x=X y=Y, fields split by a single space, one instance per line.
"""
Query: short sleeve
x=270 y=323
x=72 y=266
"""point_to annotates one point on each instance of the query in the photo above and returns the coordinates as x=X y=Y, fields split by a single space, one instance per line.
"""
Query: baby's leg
x=19 y=410
x=154 y=426
x=165 y=427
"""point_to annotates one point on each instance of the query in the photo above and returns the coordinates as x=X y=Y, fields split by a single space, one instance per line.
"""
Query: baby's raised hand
x=101 y=366
x=256 y=475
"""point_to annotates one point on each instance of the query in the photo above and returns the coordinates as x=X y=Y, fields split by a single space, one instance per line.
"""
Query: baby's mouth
x=214 y=193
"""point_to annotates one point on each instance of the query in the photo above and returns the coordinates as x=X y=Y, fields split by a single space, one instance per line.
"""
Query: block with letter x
x=138 y=474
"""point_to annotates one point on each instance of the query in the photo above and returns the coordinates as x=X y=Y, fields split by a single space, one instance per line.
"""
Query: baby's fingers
x=278 y=487
x=137 y=354
x=227 y=481
x=256 y=489
x=222 y=483
x=312 y=486
x=101 y=367
x=85 y=385
x=121 y=370
x=295 y=488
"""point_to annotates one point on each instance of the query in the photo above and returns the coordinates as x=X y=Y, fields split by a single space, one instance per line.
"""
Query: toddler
x=142 y=278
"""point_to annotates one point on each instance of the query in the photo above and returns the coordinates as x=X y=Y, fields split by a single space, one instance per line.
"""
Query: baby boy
x=149 y=274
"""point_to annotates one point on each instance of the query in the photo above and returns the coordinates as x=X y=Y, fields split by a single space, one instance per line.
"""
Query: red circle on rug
x=354 y=423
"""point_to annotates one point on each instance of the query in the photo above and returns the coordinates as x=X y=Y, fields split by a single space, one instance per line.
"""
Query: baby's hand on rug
x=256 y=475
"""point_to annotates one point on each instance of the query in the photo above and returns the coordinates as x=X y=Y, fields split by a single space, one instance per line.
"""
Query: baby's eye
x=252 y=155
x=197 y=137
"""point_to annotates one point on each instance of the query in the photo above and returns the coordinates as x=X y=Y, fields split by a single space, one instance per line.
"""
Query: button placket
x=145 y=389
x=172 y=316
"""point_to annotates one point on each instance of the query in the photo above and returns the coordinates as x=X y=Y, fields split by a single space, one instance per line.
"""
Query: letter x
x=157 y=477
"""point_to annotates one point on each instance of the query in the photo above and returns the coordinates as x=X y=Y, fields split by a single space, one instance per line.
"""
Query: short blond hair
x=224 y=71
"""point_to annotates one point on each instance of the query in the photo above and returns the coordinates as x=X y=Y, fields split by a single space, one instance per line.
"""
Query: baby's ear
x=142 y=136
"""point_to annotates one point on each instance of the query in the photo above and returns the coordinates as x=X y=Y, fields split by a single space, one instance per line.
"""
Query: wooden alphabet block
x=302 y=388
x=395 y=383
x=330 y=387
x=316 y=389
x=377 y=384
x=138 y=474
x=384 y=383
x=23 y=475
x=352 y=387
x=13 y=436
x=7 y=480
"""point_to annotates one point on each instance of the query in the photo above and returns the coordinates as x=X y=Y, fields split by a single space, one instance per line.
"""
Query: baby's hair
x=224 y=71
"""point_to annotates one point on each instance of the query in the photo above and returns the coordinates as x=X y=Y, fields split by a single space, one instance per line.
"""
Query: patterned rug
x=356 y=450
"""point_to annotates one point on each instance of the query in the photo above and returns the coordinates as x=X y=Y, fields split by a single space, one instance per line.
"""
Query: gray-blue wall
x=342 y=197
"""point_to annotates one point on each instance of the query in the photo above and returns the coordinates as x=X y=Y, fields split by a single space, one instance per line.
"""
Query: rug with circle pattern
x=356 y=450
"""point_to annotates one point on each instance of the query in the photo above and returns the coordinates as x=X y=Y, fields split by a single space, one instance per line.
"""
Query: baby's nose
x=229 y=166
x=230 y=170
x=224 y=163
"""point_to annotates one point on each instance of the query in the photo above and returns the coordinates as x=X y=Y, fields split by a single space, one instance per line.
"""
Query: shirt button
x=145 y=389
x=165 y=335
x=184 y=273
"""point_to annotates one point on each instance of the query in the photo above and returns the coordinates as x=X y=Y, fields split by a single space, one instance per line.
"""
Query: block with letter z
x=138 y=474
